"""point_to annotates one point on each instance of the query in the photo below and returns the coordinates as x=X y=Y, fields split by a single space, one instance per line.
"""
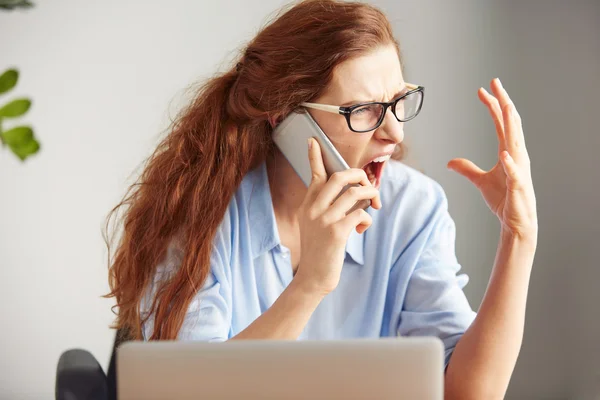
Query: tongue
x=372 y=169
x=376 y=167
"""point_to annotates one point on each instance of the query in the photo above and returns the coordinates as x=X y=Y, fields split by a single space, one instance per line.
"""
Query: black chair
x=79 y=376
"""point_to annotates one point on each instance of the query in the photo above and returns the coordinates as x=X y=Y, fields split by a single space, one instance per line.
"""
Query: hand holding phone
x=339 y=194
x=291 y=137
x=325 y=223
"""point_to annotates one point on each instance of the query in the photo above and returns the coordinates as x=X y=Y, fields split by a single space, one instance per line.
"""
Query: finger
x=512 y=172
x=494 y=108
x=512 y=127
x=466 y=168
x=358 y=219
x=345 y=202
x=319 y=175
x=338 y=181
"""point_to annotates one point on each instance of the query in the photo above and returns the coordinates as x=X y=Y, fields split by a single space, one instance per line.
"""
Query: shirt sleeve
x=434 y=303
x=208 y=317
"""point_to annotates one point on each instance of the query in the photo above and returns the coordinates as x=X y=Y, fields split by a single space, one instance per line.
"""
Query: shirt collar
x=264 y=235
x=355 y=247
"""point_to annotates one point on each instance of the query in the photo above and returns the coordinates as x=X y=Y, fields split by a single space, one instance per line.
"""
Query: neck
x=287 y=189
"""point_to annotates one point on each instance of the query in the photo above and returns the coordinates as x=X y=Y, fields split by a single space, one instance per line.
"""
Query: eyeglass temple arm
x=323 y=107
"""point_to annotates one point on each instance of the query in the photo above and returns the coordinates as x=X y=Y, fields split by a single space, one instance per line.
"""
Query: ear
x=272 y=121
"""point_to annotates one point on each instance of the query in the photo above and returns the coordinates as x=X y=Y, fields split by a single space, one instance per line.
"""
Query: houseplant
x=20 y=139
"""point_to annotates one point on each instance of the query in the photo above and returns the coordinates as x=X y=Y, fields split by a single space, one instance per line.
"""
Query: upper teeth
x=382 y=158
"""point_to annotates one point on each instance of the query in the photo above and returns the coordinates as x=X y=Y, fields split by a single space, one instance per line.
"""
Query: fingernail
x=499 y=83
x=309 y=143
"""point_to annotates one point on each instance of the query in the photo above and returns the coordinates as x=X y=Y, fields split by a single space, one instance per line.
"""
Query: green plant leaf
x=21 y=141
x=15 y=108
x=26 y=149
x=12 y=4
x=18 y=136
x=8 y=80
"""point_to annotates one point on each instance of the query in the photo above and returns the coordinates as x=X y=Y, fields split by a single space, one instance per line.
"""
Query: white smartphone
x=291 y=137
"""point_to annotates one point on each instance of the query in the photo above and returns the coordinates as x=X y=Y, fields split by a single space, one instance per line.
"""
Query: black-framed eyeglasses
x=365 y=117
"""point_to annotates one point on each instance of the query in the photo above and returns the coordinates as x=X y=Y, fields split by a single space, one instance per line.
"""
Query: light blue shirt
x=398 y=278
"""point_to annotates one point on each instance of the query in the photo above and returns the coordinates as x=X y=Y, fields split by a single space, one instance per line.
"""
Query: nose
x=391 y=129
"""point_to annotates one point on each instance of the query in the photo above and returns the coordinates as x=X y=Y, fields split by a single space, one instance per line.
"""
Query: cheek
x=350 y=145
x=334 y=126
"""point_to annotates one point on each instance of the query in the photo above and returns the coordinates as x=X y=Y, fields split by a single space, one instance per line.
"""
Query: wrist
x=523 y=240
x=517 y=247
x=305 y=288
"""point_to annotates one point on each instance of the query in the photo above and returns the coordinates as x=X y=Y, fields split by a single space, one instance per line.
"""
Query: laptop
x=387 y=368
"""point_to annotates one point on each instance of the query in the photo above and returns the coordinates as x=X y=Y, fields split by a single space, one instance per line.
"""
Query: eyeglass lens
x=367 y=117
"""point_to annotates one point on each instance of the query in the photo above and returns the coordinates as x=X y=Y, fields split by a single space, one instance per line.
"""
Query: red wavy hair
x=225 y=132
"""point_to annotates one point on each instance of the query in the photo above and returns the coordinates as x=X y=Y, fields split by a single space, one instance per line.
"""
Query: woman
x=223 y=241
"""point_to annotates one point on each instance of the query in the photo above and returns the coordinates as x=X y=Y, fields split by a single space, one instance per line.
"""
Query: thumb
x=315 y=159
x=466 y=168
x=319 y=175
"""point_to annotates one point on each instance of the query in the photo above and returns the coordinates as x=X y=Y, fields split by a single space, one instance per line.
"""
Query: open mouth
x=374 y=170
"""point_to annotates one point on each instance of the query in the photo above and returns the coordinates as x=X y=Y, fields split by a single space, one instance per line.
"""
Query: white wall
x=106 y=76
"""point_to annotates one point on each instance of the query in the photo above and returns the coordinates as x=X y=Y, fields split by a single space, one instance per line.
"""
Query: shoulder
x=227 y=233
x=251 y=190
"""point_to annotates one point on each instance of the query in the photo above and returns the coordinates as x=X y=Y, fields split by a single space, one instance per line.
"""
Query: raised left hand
x=507 y=188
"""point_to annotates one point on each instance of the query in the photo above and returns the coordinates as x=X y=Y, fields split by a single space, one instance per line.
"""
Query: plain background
x=107 y=77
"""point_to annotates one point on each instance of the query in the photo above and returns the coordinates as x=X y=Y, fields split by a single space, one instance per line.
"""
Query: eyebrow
x=402 y=91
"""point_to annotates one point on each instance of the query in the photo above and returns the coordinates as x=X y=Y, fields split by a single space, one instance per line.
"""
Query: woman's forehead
x=375 y=76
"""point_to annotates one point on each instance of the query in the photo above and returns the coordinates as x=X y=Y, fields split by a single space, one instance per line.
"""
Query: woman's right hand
x=324 y=225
